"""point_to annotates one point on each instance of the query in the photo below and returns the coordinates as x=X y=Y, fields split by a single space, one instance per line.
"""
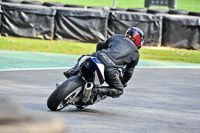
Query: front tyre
x=64 y=93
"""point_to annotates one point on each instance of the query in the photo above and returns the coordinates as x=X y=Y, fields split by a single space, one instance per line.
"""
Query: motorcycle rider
x=116 y=52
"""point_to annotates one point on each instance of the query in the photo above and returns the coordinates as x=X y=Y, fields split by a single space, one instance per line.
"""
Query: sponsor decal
x=107 y=58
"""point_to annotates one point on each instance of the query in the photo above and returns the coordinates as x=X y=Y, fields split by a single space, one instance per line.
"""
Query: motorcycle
x=77 y=90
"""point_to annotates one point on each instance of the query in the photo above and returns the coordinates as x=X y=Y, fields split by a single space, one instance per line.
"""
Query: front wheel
x=65 y=92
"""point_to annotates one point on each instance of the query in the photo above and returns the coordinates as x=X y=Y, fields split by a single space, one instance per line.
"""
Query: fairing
x=93 y=67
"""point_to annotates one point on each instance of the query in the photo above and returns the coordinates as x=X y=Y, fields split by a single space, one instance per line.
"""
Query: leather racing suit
x=118 y=51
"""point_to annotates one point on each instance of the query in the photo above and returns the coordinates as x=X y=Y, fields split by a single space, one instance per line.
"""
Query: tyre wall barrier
x=91 y=25
x=81 y=25
x=25 y=20
x=181 y=31
x=151 y=24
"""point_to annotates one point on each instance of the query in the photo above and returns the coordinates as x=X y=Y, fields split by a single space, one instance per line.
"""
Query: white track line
x=190 y=67
x=55 y=68
x=27 y=69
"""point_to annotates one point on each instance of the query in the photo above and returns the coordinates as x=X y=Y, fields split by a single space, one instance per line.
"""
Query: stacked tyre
x=31 y=2
x=12 y=1
x=178 y=12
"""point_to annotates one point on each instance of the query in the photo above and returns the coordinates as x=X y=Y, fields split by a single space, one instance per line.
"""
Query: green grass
x=190 y=5
x=78 y=48
x=66 y=47
x=175 y=55
x=37 y=45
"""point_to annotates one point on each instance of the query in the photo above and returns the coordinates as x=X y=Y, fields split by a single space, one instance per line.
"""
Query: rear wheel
x=65 y=93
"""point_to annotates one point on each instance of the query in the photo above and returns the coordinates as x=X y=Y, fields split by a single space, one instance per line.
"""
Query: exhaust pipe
x=87 y=92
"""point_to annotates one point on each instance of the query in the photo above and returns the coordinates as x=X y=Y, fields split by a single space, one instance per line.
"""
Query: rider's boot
x=71 y=72
x=111 y=92
x=105 y=91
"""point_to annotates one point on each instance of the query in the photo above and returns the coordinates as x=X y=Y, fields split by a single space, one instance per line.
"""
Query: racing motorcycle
x=77 y=89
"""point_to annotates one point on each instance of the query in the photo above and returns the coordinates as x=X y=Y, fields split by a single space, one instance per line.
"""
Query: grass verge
x=78 y=48
x=37 y=45
x=175 y=55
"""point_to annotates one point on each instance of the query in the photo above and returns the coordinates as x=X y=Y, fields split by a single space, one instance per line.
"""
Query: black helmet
x=136 y=35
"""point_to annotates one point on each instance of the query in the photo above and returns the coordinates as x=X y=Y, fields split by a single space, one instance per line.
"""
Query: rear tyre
x=144 y=10
x=31 y=2
x=12 y=1
x=65 y=92
x=155 y=11
x=194 y=13
x=50 y=4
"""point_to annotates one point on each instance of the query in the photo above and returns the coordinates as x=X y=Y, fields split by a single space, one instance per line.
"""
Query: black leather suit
x=117 y=51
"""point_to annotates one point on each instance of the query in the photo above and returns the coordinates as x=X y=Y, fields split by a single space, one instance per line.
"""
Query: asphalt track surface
x=156 y=100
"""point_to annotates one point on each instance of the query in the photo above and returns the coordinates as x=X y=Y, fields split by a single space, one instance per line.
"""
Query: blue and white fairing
x=94 y=70
x=99 y=72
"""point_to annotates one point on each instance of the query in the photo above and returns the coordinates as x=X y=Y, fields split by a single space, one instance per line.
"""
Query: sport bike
x=77 y=90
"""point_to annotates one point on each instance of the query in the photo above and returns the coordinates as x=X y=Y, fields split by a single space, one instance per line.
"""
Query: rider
x=116 y=52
